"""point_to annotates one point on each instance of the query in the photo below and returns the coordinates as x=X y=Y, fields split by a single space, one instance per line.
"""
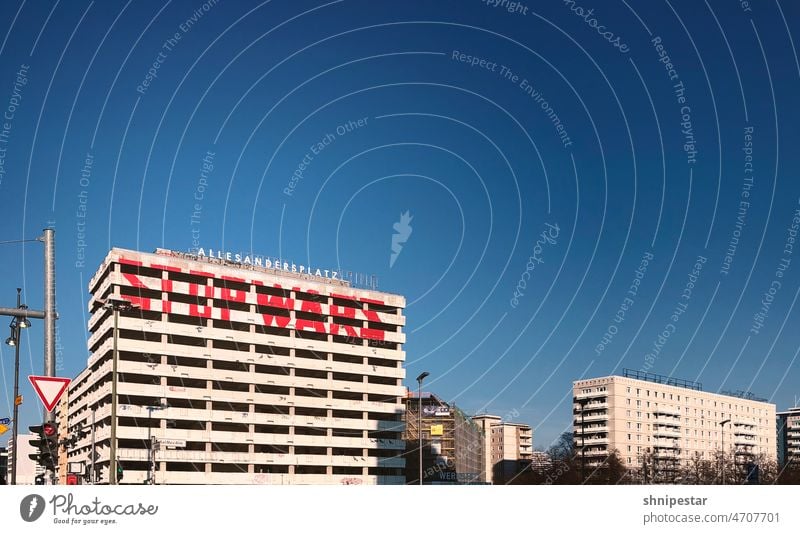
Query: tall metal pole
x=419 y=427
x=149 y=446
x=18 y=338
x=49 y=239
x=420 y=378
x=150 y=466
x=112 y=474
x=722 y=458
x=92 y=476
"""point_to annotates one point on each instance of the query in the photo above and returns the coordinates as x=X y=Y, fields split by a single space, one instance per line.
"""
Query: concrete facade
x=4 y=470
x=508 y=447
x=27 y=469
x=242 y=373
x=669 y=424
x=789 y=436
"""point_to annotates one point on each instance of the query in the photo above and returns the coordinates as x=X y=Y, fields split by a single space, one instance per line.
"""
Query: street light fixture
x=420 y=378
x=722 y=458
x=116 y=304
x=17 y=323
x=11 y=341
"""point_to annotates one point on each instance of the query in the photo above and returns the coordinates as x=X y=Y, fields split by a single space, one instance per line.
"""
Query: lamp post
x=151 y=457
x=14 y=340
x=116 y=304
x=420 y=378
x=722 y=458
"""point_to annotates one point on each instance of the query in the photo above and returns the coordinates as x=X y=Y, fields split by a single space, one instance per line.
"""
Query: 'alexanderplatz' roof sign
x=367 y=281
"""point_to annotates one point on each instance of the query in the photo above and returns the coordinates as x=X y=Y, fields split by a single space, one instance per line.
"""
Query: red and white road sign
x=49 y=389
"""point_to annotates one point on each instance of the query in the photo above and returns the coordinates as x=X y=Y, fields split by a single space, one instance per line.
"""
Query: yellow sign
x=437 y=430
x=18 y=400
x=3 y=428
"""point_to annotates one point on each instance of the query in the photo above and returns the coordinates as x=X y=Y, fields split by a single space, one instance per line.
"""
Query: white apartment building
x=667 y=421
x=507 y=447
x=27 y=469
x=241 y=370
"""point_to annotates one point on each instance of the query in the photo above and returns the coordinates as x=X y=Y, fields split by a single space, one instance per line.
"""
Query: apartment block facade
x=240 y=370
x=508 y=446
x=667 y=422
x=789 y=437
x=27 y=469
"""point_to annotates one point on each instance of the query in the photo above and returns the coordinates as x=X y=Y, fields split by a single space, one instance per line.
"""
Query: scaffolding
x=452 y=444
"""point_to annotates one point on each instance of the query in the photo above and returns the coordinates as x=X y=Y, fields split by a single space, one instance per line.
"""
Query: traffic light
x=46 y=445
x=119 y=472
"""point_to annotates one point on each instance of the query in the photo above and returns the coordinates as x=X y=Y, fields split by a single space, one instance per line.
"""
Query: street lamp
x=14 y=340
x=722 y=459
x=151 y=457
x=420 y=378
x=116 y=304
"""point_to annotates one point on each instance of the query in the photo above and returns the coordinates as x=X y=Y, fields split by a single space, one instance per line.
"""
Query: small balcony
x=666 y=443
x=589 y=441
x=666 y=454
x=593 y=452
x=592 y=395
x=590 y=418
x=668 y=411
x=588 y=430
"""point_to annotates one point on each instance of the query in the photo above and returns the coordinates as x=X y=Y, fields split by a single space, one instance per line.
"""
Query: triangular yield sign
x=49 y=389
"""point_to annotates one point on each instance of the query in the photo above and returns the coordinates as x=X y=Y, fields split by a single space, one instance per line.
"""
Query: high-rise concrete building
x=4 y=474
x=452 y=444
x=27 y=469
x=490 y=456
x=789 y=437
x=240 y=369
x=667 y=422
x=508 y=447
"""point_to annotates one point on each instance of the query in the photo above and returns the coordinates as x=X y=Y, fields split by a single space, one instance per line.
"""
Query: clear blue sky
x=484 y=123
